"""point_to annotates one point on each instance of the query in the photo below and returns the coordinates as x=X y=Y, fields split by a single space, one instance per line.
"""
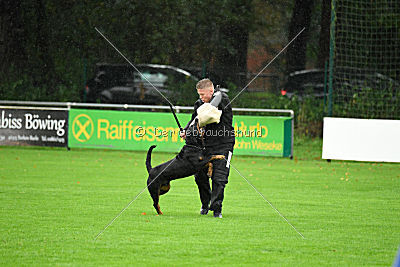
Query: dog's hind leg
x=154 y=189
x=164 y=188
x=156 y=198
x=157 y=207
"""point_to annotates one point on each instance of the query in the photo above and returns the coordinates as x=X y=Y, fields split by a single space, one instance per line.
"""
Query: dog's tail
x=148 y=158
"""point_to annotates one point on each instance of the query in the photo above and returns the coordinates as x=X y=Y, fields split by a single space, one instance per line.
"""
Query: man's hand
x=182 y=134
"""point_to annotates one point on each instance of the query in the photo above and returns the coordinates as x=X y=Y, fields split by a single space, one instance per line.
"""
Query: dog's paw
x=159 y=210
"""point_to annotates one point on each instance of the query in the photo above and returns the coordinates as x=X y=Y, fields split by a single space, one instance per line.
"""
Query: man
x=219 y=139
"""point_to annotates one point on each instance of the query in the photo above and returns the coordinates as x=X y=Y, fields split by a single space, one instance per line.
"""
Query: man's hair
x=204 y=84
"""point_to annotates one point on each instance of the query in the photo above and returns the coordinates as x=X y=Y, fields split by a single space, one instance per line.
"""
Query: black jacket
x=222 y=132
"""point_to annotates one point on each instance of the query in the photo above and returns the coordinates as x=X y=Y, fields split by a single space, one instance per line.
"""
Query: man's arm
x=215 y=101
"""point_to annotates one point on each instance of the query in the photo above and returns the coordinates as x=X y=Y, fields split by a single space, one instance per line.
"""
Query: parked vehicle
x=382 y=84
x=311 y=83
x=304 y=83
x=122 y=84
x=215 y=77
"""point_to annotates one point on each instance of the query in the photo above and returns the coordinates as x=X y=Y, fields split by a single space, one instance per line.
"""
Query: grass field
x=54 y=202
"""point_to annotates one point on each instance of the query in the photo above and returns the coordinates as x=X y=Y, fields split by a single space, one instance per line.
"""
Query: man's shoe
x=203 y=211
x=217 y=214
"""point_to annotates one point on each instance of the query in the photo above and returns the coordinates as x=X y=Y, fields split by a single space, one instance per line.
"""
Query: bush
x=308 y=112
x=26 y=87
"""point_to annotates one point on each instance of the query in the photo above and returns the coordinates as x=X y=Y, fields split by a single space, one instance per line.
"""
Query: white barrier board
x=361 y=139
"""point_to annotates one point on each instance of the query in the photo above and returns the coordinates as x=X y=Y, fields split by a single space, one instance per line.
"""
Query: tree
x=234 y=28
x=11 y=35
x=44 y=43
x=324 y=36
x=301 y=17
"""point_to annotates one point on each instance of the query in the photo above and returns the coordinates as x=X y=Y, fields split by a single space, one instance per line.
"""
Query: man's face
x=206 y=94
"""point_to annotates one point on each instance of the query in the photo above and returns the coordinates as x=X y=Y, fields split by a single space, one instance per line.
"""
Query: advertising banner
x=263 y=136
x=33 y=127
x=125 y=130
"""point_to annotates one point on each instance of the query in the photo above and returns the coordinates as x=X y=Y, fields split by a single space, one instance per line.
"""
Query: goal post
x=365 y=59
x=364 y=82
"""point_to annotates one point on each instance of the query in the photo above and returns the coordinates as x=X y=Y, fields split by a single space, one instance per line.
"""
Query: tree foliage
x=301 y=18
x=46 y=44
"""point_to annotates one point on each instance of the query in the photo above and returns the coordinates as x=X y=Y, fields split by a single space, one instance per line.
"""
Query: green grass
x=54 y=202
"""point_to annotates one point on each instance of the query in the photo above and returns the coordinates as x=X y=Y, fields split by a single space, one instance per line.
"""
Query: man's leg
x=219 y=180
x=203 y=183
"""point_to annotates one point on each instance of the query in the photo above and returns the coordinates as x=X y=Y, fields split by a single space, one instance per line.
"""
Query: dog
x=189 y=161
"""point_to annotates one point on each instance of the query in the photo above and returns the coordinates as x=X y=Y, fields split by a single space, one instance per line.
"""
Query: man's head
x=205 y=89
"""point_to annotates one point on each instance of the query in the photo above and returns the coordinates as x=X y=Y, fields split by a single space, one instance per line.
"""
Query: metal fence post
x=331 y=55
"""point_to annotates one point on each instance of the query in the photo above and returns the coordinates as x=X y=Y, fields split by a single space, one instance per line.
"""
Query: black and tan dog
x=189 y=161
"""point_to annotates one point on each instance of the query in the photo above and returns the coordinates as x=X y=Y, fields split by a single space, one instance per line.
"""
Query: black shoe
x=203 y=211
x=217 y=214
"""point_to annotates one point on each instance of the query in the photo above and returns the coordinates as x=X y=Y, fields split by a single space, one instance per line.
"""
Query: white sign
x=361 y=139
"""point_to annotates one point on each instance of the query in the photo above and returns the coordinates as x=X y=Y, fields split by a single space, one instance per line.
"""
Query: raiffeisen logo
x=129 y=130
x=82 y=128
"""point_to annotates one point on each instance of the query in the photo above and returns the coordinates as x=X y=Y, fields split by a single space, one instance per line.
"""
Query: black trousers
x=212 y=198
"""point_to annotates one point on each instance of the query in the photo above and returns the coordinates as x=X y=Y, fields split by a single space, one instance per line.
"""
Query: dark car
x=312 y=83
x=382 y=84
x=121 y=83
x=215 y=77
x=304 y=83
